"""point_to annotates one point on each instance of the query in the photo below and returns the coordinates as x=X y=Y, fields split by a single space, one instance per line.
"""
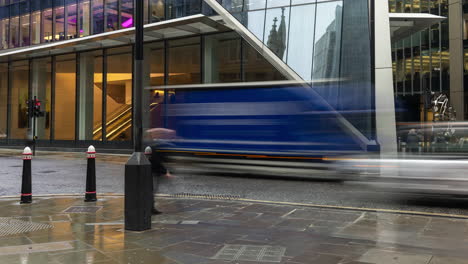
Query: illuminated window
x=98 y=16
x=127 y=13
x=72 y=18
x=84 y=17
x=59 y=12
x=112 y=15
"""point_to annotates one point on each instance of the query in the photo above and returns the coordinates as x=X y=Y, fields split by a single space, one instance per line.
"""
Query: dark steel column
x=138 y=178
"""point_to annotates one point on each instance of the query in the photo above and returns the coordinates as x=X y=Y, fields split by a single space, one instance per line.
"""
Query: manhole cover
x=251 y=253
x=83 y=209
x=11 y=226
x=47 y=171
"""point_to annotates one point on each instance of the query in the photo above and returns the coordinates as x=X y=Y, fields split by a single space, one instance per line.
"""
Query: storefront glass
x=19 y=76
x=65 y=97
x=184 y=61
x=119 y=94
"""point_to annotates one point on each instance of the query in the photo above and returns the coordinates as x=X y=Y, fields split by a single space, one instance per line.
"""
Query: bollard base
x=26 y=199
x=138 y=193
x=90 y=197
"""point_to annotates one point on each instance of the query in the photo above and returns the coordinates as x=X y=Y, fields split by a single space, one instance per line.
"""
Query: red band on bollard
x=91 y=155
x=27 y=156
x=26 y=194
x=90 y=192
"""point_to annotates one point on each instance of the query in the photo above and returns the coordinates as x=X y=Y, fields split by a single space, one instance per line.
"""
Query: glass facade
x=119 y=94
x=41 y=87
x=19 y=83
x=64 y=97
x=421 y=69
x=421 y=61
x=29 y=22
x=88 y=95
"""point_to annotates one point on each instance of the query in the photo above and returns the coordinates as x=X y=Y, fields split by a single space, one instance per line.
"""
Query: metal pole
x=138 y=178
x=138 y=87
x=34 y=127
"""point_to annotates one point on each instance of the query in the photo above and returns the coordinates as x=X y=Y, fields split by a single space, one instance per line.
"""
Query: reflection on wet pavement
x=223 y=231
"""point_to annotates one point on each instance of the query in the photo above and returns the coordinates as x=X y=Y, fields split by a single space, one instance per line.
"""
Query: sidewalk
x=64 y=229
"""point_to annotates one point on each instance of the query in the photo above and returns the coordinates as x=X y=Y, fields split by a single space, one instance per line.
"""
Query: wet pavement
x=64 y=229
x=65 y=172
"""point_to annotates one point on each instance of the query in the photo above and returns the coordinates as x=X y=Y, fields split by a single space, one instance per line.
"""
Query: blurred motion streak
x=292 y=129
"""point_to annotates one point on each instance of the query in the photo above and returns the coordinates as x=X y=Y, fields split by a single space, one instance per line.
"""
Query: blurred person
x=412 y=141
x=159 y=137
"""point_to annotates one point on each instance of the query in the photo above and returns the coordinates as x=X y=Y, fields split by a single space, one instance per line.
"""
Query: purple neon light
x=128 y=23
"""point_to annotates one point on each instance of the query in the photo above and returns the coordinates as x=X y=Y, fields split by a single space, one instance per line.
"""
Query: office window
x=119 y=95
x=65 y=97
x=276 y=31
x=157 y=63
x=127 y=13
x=327 y=46
x=184 y=61
x=256 y=67
x=90 y=115
x=14 y=32
x=24 y=24
x=59 y=25
x=222 y=58
x=25 y=39
x=41 y=84
x=72 y=18
x=157 y=10
x=84 y=17
x=19 y=75
x=36 y=27
x=47 y=25
x=112 y=15
x=98 y=16
x=301 y=40
x=4 y=25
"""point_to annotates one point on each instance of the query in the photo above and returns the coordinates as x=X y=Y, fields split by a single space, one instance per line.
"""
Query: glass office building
x=428 y=64
x=76 y=57
x=420 y=61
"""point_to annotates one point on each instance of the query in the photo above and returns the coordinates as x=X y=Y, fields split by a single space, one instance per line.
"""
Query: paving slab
x=223 y=231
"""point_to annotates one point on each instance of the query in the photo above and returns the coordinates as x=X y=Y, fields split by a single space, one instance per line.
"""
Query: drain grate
x=11 y=226
x=206 y=196
x=83 y=209
x=251 y=253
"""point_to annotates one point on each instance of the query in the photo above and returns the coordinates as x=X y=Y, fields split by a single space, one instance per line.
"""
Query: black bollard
x=26 y=192
x=90 y=195
x=138 y=193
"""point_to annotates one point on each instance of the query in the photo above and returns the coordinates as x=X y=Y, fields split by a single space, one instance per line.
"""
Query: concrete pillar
x=456 y=56
x=384 y=94
x=211 y=72
x=86 y=100
x=38 y=88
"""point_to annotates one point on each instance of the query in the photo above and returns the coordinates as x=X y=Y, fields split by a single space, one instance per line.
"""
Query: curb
x=211 y=197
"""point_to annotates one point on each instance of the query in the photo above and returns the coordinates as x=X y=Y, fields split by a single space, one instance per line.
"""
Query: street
x=65 y=173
